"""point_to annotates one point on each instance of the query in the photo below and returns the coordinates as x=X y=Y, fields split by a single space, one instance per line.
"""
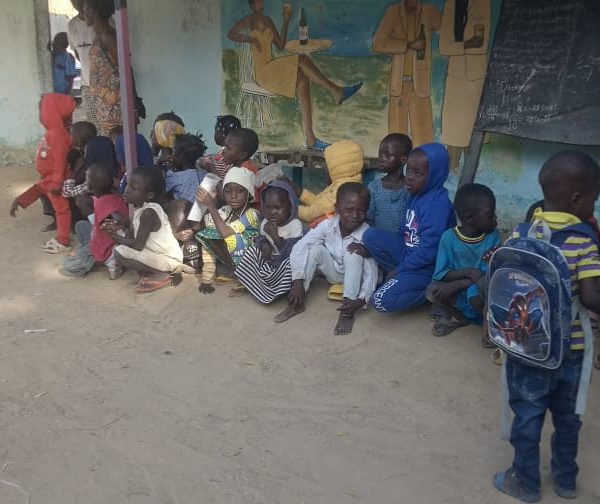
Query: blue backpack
x=530 y=308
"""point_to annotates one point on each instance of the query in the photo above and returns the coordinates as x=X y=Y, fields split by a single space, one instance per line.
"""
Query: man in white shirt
x=331 y=248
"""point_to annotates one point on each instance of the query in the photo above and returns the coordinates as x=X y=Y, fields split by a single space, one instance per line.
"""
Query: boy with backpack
x=540 y=286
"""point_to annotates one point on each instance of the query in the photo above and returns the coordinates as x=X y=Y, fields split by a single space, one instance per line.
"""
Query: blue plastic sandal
x=319 y=145
x=508 y=483
x=350 y=91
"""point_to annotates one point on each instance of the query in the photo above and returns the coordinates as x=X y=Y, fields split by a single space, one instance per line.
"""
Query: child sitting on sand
x=96 y=245
x=149 y=246
x=330 y=249
x=265 y=268
x=229 y=230
x=215 y=163
x=461 y=260
x=389 y=196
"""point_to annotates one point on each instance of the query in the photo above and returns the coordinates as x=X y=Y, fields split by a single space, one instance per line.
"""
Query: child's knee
x=318 y=254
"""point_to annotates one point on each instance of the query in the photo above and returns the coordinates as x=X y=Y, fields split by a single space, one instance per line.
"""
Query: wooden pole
x=126 y=80
x=472 y=155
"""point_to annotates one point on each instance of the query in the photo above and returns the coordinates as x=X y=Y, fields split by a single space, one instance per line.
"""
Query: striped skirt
x=265 y=281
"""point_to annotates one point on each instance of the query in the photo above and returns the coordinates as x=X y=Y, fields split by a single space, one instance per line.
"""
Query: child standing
x=408 y=257
x=51 y=164
x=571 y=183
x=95 y=244
x=229 y=230
x=389 y=195
x=63 y=64
x=265 y=268
x=149 y=246
x=331 y=249
x=215 y=163
x=461 y=259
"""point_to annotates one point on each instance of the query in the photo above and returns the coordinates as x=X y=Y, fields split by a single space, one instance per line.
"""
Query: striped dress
x=268 y=280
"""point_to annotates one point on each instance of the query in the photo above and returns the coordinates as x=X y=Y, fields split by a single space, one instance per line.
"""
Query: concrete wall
x=176 y=57
x=20 y=74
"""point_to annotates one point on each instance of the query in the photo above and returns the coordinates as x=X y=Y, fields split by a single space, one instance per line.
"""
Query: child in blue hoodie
x=408 y=257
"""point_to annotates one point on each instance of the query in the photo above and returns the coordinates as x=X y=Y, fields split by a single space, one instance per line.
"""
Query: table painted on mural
x=313 y=45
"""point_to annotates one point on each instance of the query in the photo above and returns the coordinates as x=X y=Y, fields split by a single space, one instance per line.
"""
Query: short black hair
x=104 y=8
x=227 y=123
x=352 y=188
x=153 y=179
x=116 y=130
x=568 y=171
x=84 y=128
x=400 y=139
x=276 y=190
x=169 y=116
x=247 y=139
x=189 y=148
x=470 y=197
x=61 y=39
x=105 y=177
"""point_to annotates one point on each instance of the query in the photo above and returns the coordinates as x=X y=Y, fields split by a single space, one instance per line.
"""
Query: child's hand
x=358 y=248
x=112 y=226
x=271 y=230
x=442 y=292
x=473 y=274
x=266 y=251
x=297 y=294
x=205 y=198
x=14 y=207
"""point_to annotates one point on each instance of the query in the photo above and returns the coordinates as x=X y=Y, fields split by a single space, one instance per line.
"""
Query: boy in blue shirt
x=570 y=182
x=461 y=259
x=63 y=64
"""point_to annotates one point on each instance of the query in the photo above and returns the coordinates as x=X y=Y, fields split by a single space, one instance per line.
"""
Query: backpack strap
x=588 y=357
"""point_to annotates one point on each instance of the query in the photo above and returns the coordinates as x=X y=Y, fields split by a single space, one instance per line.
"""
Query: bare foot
x=288 y=313
x=344 y=325
x=206 y=288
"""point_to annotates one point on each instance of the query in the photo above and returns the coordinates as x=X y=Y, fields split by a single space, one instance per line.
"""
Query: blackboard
x=543 y=80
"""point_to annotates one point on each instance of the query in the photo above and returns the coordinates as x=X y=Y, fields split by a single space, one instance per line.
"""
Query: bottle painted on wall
x=421 y=37
x=303 y=32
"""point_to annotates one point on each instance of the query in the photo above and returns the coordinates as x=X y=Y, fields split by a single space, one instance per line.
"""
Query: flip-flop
x=508 y=483
x=148 y=285
x=53 y=246
x=350 y=91
x=336 y=292
x=496 y=356
x=238 y=291
x=443 y=326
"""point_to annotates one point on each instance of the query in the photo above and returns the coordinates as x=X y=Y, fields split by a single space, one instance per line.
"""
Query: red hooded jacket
x=51 y=159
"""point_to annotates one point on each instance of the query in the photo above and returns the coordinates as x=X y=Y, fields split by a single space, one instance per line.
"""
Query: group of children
x=394 y=244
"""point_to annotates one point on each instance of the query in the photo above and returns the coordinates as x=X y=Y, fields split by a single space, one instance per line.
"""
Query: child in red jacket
x=51 y=164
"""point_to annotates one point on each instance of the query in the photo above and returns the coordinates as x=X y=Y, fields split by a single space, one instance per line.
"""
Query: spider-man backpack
x=530 y=308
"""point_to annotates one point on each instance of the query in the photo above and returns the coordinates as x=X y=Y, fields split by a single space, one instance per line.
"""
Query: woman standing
x=104 y=91
x=288 y=76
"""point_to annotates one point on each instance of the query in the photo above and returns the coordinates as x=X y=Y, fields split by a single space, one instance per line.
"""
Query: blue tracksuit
x=411 y=254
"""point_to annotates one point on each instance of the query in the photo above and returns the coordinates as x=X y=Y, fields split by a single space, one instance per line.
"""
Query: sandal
x=496 y=356
x=53 y=246
x=443 y=327
x=238 y=291
x=149 y=285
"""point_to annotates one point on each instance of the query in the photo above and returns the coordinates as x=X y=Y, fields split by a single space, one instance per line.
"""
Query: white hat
x=241 y=176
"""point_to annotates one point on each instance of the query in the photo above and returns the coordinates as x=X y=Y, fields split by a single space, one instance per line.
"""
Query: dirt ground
x=179 y=398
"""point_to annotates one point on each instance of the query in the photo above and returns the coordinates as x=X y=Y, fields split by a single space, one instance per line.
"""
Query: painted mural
x=312 y=71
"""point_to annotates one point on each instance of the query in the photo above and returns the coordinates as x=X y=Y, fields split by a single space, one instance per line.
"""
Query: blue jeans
x=533 y=391
x=405 y=290
x=83 y=261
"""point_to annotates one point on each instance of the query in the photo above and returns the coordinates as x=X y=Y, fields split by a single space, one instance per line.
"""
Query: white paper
x=209 y=184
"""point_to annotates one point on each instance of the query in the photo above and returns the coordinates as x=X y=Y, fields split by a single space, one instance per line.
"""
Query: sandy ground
x=177 y=398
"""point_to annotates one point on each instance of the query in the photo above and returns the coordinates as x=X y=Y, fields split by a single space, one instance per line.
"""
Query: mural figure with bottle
x=289 y=75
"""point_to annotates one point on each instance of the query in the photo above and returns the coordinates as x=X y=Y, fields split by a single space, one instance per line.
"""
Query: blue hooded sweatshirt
x=428 y=215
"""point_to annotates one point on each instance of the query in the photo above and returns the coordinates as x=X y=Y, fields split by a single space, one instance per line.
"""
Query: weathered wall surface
x=19 y=74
